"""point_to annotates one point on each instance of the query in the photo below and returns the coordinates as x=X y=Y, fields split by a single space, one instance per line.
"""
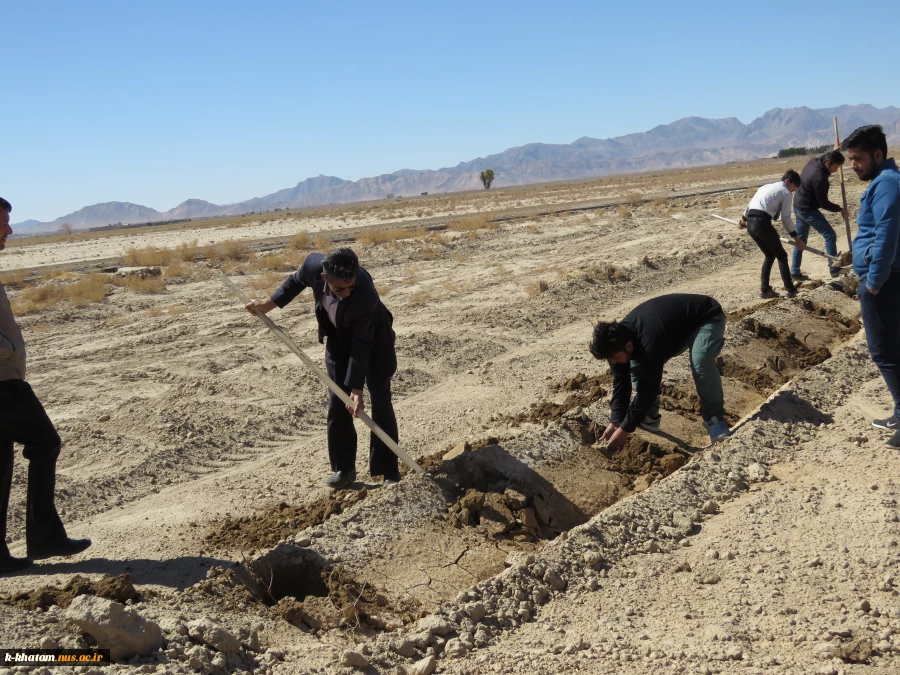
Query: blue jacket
x=875 y=249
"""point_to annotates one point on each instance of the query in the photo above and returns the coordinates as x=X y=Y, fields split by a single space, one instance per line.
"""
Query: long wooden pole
x=812 y=250
x=837 y=145
x=327 y=381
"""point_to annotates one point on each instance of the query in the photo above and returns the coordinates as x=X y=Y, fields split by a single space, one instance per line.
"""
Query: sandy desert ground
x=194 y=452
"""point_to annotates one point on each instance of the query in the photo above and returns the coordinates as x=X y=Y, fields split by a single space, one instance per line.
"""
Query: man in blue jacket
x=876 y=260
x=359 y=350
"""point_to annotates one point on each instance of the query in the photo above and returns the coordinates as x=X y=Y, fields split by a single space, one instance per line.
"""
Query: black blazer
x=364 y=325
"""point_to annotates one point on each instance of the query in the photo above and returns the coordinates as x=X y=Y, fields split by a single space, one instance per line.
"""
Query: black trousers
x=22 y=420
x=766 y=238
x=342 y=433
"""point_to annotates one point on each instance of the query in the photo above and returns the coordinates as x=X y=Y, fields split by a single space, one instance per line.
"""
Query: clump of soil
x=584 y=391
x=348 y=602
x=640 y=457
x=264 y=530
x=118 y=588
x=762 y=380
x=830 y=314
x=225 y=587
x=738 y=314
x=787 y=343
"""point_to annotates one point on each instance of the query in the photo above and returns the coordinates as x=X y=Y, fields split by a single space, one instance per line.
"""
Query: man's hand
x=869 y=288
x=799 y=242
x=742 y=223
x=264 y=306
x=618 y=438
x=358 y=406
x=610 y=430
x=846 y=214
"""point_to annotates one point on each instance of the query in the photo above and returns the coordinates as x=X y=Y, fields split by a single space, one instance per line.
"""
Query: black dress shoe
x=9 y=564
x=340 y=479
x=62 y=547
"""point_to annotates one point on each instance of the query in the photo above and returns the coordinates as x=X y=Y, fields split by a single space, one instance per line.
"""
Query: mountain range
x=690 y=141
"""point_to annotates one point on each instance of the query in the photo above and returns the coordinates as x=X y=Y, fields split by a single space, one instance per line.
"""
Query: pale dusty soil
x=175 y=423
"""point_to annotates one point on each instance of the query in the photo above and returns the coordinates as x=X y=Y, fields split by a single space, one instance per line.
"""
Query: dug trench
x=372 y=560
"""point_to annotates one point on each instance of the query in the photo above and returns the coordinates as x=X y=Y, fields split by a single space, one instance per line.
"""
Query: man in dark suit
x=359 y=349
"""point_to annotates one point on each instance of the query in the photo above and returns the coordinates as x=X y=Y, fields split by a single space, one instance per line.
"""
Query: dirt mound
x=118 y=588
x=264 y=530
x=787 y=343
x=584 y=391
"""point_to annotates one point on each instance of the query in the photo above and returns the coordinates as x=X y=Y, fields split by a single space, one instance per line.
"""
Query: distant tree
x=797 y=152
x=66 y=228
x=487 y=177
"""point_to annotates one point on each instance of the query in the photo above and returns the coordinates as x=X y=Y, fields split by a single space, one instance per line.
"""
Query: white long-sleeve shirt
x=775 y=199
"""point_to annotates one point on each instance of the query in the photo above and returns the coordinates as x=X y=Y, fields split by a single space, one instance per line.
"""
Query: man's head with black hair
x=612 y=342
x=867 y=149
x=834 y=160
x=340 y=268
x=791 y=179
x=5 y=229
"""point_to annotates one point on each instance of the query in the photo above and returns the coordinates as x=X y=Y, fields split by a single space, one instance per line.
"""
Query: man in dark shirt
x=359 y=350
x=638 y=347
x=811 y=196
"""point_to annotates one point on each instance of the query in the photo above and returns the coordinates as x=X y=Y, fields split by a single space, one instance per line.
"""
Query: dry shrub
x=272 y=261
x=79 y=293
x=374 y=237
x=724 y=203
x=474 y=234
x=533 y=288
x=382 y=290
x=481 y=221
x=153 y=312
x=14 y=277
x=635 y=198
x=228 y=250
x=137 y=284
x=322 y=243
x=420 y=297
x=616 y=275
x=269 y=280
x=624 y=212
x=428 y=253
x=429 y=212
x=59 y=274
x=177 y=269
x=177 y=310
x=533 y=229
x=420 y=213
x=301 y=241
x=461 y=257
x=147 y=257
x=438 y=239
x=659 y=202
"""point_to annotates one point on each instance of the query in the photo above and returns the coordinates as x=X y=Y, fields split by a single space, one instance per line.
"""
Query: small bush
x=301 y=241
x=428 y=253
x=176 y=269
x=228 y=250
x=624 y=212
x=481 y=221
x=14 y=277
x=635 y=198
x=137 y=284
x=268 y=281
x=322 y=243
x=150 y=256
x=533 y=288
x=177 y=310
x=724 y=203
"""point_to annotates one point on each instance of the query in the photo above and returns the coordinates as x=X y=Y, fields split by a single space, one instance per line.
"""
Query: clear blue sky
x=157 y=102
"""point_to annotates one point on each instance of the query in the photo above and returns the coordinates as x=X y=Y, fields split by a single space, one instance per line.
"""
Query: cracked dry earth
x=194 y=453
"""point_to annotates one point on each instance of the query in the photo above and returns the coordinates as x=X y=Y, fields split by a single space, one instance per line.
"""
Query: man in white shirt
x=771 y=201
